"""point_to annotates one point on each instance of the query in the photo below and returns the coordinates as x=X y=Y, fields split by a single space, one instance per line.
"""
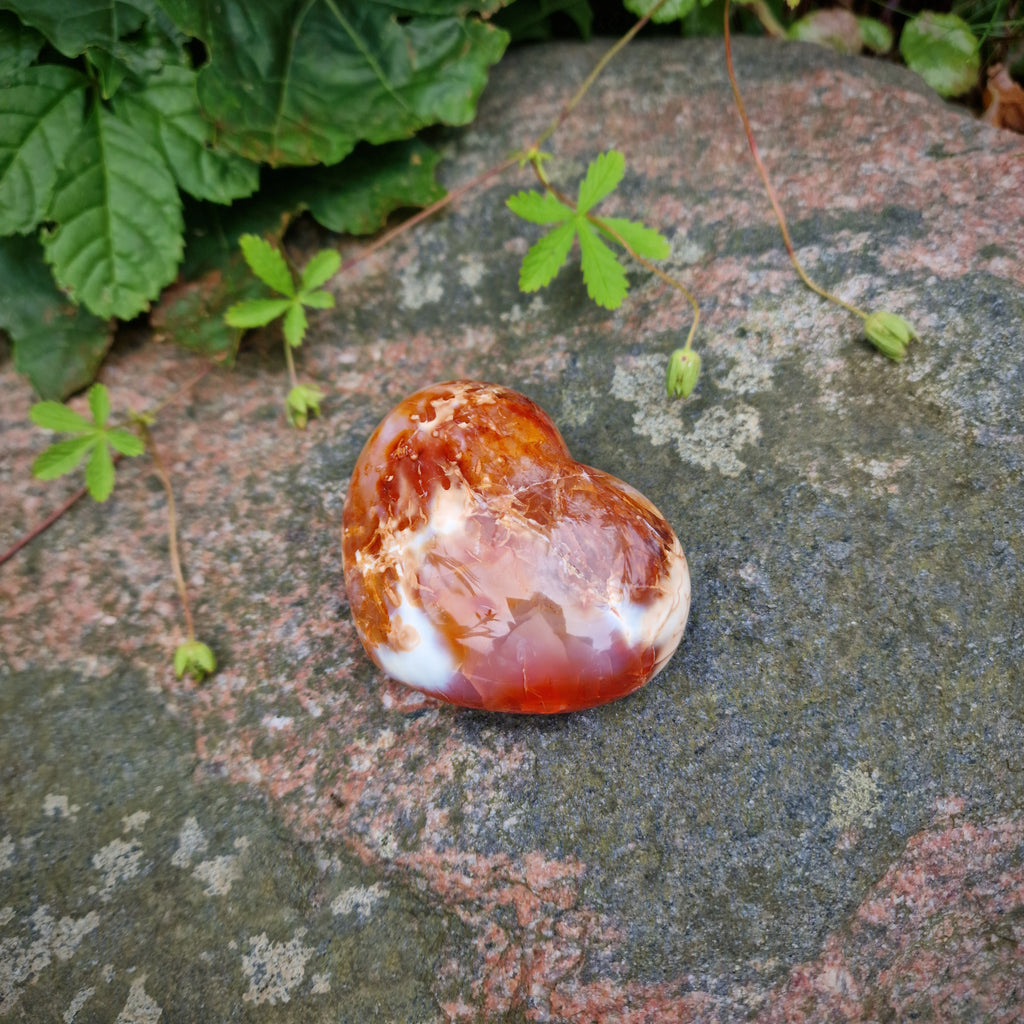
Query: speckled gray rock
x=823 y=785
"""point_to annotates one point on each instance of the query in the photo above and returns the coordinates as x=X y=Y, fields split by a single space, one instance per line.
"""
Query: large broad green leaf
x=301 y=83
x=943 y=50
x=40 y=115
x=356 y=196
x=58 y=345
x=118 y=234
x=164 y=110
x=74 y=26
x=19 y=45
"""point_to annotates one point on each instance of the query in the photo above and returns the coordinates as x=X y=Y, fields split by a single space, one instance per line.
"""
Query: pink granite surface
x=930 y=925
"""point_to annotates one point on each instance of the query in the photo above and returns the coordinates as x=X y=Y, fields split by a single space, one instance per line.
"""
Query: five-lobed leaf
x=267 y=263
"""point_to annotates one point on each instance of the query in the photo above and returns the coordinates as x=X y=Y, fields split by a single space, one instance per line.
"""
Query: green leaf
x=99 y=404
x=943 y=50
x=356 y=196
x=19 y=45
x=164 y=110
x=318 y=300
x=670 y=12
x=118 y=238
x=602 y=273
x=58 y=345
x=876 y=35
x=57 y=416
x=61 y=458
x=125 y=442
x=545 y=257
x=539 y=208
x=267 y=263
x=295 y=325
x=643 y=240
x=321 y=268
x=303 y=83
x=40 y=116
x=99 y=473
x=88 y=23
x=256 y=312
x=603 y=176
x=109 y=70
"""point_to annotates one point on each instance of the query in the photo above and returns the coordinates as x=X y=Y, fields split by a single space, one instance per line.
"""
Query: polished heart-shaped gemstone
x=486 y=567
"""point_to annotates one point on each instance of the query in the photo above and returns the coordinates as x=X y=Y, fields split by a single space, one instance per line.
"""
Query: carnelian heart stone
x=487 y=568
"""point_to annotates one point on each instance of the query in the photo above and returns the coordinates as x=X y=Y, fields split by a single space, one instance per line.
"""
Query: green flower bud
x=195 y=658
x=889 y=333
x=302 y=402
x=683 y=371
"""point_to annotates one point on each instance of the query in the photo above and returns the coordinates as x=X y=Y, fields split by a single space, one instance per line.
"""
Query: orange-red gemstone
x=487 y=568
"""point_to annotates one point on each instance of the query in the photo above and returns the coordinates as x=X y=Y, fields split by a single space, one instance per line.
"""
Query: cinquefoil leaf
x=40 y=115
x=164 y=110
x=118 y=235
x=302 y=83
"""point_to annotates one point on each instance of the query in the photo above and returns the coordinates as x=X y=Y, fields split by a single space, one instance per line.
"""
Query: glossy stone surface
x=486 y=567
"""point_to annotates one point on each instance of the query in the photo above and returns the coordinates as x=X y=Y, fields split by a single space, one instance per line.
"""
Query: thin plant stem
x=290 y=361
x=172 y=524
x=46 y=523
x=82 y=491
x=779 y=215
x=592 y=77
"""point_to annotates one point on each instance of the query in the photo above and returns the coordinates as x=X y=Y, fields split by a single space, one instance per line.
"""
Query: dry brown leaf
x=1004 y=100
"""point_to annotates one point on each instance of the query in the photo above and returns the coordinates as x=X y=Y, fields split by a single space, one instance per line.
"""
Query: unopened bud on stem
x=889 y=333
